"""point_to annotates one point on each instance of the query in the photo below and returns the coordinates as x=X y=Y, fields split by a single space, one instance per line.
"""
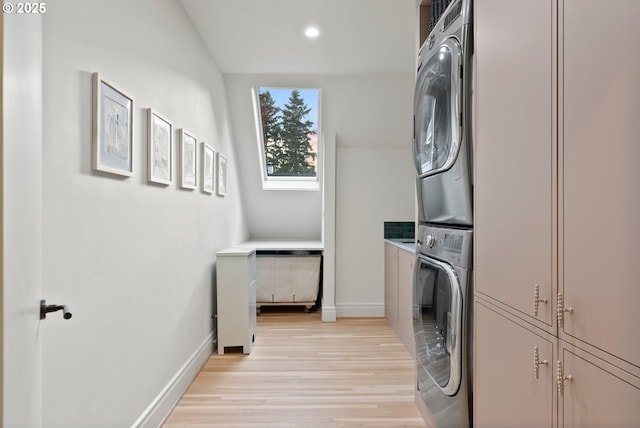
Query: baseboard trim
x=363 y=310
x=329 y=314
x=163 y=404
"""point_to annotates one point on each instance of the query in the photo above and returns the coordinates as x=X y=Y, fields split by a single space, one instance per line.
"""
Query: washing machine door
x=437 y=321
x=437 y=106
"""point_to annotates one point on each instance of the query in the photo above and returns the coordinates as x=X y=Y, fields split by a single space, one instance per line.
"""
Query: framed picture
x=112 y=129
x=208 y=161
x=188 y=165
x=159 y=148
x=222 y=174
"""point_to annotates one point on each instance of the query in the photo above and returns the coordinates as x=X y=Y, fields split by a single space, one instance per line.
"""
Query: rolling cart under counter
x=287 y=272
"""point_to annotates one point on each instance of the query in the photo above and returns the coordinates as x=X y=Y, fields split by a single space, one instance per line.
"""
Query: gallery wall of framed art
x=113 y=144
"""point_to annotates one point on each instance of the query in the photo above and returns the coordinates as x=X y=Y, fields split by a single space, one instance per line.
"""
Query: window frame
x=270 y=182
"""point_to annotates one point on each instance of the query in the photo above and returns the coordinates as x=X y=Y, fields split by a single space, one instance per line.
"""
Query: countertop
x=283 y=245
x=403 y=244
x=236 y=251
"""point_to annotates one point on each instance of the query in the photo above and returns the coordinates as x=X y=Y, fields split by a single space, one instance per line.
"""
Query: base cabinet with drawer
x=236 y=297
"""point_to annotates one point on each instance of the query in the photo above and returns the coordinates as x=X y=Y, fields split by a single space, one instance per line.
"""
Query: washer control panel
x=453 y=245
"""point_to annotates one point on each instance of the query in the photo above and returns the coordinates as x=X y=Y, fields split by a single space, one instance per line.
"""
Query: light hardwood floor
x=305 y=373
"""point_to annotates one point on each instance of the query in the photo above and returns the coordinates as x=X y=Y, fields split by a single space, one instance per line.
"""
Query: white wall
x=385 y=193
x=22 y=251
x=271 y=214
x=134 y=261
x=371 y=115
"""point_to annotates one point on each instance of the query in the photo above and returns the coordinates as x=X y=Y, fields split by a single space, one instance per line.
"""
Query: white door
x=22 y=220
x=1 y=218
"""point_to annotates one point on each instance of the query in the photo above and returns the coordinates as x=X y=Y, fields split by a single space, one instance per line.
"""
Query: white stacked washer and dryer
x=442 y=284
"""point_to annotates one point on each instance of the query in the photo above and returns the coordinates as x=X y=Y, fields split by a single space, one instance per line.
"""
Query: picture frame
x=222 y=175
x=208 y=168
x=112 y=128
x=188 y=160
x=159 y=148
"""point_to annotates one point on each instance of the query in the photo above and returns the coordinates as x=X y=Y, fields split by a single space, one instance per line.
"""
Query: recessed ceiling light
x=312 y=32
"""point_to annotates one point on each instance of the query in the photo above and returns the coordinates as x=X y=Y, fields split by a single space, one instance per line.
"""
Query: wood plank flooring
x=306 y=373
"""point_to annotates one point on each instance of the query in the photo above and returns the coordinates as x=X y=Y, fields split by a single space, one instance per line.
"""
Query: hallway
x=306 y=373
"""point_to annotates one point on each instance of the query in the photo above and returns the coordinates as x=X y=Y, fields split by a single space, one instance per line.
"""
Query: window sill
x=312 y=185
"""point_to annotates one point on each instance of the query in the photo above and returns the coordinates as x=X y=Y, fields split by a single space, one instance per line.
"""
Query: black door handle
x=45 y=309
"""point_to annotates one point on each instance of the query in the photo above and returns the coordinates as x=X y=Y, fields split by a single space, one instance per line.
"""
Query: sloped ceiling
x=267 y=36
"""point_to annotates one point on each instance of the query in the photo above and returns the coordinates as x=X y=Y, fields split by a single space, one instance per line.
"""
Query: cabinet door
x=600 y=395
x=236 y=294
x=391 y=284
x=251 y=275
x=601 y=226
x=251 y=297
x=405 y=299
x=515 y=147
x=506 y=390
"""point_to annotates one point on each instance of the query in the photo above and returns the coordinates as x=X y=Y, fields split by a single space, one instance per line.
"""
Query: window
x=287 y=122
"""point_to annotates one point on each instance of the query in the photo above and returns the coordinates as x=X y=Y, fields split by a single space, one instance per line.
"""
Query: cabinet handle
x=561 y=310
x=537 y=362
x=561 y=378
x=537 y=300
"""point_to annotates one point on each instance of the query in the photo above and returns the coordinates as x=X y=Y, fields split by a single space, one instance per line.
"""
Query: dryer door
x=436 y=109
x=437 y=322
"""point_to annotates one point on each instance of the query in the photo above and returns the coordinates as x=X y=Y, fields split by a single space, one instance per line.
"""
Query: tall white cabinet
x=236 y=297
x=557 y=236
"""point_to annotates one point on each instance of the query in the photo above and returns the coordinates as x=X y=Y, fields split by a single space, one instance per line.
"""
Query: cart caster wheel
x=307 y=309
x=258 y=311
